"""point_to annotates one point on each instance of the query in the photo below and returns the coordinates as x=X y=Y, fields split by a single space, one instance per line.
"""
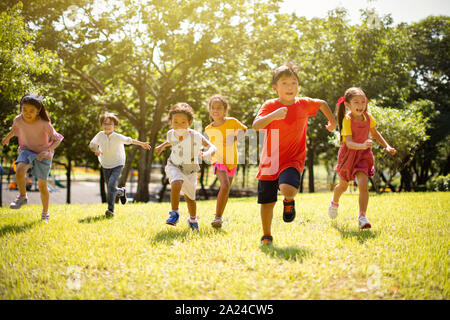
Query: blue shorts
x=268 y=190
x=39 y=169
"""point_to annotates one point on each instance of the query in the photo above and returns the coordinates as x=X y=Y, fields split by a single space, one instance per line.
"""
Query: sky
x=401 y=10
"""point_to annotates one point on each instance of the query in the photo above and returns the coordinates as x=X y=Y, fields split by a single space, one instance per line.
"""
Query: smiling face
x=180 y=122
x=217 y=110
x=287 y=89
x=108 y=126
x=357 y=105
x=30 y=113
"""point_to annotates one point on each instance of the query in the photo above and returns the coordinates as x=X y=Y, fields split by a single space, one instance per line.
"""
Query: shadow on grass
x=360 y=235
x=288 y=253
x=93 y=219
x=16 y=229
x=169 y=236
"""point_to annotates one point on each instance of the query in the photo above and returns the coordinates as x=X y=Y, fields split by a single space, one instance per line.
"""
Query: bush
x=439 y=183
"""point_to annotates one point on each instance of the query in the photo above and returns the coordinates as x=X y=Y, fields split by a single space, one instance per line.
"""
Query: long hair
x=36 y=101
x=340 y=106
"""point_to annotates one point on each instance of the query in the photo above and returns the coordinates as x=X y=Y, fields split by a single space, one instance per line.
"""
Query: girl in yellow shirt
x=223 y=132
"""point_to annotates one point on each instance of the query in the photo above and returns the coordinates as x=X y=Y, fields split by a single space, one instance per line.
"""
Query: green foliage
x=439 y=183
x=404 y=129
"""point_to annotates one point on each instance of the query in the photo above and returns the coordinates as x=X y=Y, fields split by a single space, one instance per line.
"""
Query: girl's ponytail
x=340 y=106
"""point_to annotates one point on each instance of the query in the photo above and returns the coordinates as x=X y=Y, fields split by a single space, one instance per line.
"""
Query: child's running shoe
x=173 y=219
x=45 y=217
x=288 y=211
x=123 y=198
x=18 y=202
x=193 y=223
x=217 y=223
x=333 y=210
x=266 y=240
x=109 y=214
x=364 y=223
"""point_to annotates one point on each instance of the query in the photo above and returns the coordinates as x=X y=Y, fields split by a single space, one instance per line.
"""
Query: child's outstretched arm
x=382 y=141
x=211 y=149
x=357 y=146
x=159 y=149
x=331 y=119
x=262 y=122
x=5 y=140
x=145 y=145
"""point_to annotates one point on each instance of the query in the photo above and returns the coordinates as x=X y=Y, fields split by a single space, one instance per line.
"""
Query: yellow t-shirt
x=217 y=135
x=347 y=125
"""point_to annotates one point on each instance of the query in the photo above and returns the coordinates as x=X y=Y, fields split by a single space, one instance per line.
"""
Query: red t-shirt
x=285 y=140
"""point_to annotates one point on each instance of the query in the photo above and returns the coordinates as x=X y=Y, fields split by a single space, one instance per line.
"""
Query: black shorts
x=268 y=190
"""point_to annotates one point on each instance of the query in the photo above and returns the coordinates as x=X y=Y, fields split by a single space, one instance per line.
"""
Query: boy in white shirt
x=108 y=147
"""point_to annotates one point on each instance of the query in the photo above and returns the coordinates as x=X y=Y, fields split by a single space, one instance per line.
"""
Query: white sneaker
x=364 y=223
x=18 y=202
x=45 y=217
x=333 y=211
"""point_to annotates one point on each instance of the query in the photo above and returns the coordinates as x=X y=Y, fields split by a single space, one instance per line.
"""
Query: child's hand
x=280 y=114
x=159 y=149
x=146 y=145
x=330 y=126
x=44 y=155
x=205 y=156
x=98 y=153
x=391 y=150
x=368 y=143
x=5 y=141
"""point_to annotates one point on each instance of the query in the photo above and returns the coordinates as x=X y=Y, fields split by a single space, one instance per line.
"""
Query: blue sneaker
x=193 y=224
x=173 y=219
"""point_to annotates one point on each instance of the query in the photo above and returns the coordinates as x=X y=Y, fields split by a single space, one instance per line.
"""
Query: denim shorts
x=39 y=169
x=268 y=190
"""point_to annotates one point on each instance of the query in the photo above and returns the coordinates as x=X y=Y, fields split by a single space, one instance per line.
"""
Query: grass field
x=82 y=255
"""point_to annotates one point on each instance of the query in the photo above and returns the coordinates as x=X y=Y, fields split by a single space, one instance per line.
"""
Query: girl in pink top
x=37 y=142
x=355 y=158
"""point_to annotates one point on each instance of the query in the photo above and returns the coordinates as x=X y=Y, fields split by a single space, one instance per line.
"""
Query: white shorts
x=189 y=180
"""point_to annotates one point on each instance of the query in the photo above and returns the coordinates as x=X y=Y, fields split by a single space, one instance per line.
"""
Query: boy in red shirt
x=283 y=156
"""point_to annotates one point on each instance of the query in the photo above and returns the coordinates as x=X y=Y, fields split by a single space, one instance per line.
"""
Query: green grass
x=82 y=255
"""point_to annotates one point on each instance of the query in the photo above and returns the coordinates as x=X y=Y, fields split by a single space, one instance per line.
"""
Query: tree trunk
x=68 y=176
x=127 y=166
x=302 y=176
x=406 y=179
x=310 y=163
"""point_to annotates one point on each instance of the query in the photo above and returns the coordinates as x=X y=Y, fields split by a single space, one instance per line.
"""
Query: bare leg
x=340 y=188
x=45 y=195
x=192 y=206
x=267 y=216
x=21 y=172
x=175 y=193
x=224 y=191
x=288 y=191
x=363 y=184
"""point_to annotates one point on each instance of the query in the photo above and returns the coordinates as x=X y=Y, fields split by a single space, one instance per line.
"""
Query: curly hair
x=181 y=107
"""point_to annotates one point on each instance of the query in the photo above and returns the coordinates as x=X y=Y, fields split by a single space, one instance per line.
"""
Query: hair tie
x=341 y=100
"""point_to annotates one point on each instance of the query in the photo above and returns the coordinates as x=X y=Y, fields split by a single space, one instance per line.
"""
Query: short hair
x=181 y=107
x=109 y=116
x=286 y=70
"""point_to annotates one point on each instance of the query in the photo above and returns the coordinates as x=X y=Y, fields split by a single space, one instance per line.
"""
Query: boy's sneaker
x=109 y=214
x=266 y=240
x=18 y=202
x=193 y=224
x=333 y=210
x=123 y=198
x=289 y=211
x=217 y=223
x=45 y=217
x=173 y=219
x=364 y=223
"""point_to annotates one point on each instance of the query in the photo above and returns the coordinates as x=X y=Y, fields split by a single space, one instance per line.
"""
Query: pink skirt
x=351 y=161
x=222 y=167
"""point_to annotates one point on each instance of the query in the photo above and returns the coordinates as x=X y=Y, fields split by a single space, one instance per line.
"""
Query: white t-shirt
x=113 y=152
x=185 y=151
